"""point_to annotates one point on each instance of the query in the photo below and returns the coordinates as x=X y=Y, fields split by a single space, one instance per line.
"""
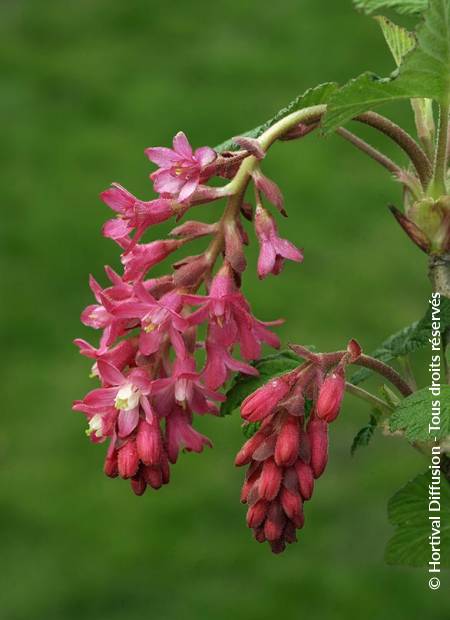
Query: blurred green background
x=86 y=85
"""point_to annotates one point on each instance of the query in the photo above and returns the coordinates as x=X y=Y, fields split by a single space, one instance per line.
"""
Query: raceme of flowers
x=151 y=384
x=290 y=448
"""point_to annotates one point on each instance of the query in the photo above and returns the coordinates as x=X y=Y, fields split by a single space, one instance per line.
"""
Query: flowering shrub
x=153 y=381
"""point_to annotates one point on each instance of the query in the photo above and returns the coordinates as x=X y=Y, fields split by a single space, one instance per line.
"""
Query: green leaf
x=314 y=96
x=399 y=40
x=408 y=511
x=408 y=340
x=401 y=6
x=413 y=415
x=268 y=367
x=424 y=72
x=365 y=434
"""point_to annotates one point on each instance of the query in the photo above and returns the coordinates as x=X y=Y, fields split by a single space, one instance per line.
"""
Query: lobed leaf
x=400 y=6
x=413 y=415
x=365 y=434
x=424 y=73
x=400 y=41
x=408 y=340
x=408 y=512
x=313 y=96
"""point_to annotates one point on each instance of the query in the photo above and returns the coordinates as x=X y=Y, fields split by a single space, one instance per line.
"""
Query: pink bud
x=270 y=190
x=318 y=437
x=252 y=145
x=245 y=454
x=148 y=443
x=291 y=503
x=190 y=270
x=275 y=522
x=234 y=251
x=286 y=449
x=354 y=350
x=330 y=397
x=193 y=229
x=153 y=476
x=138 y=485
x=257 y=513
x=305 y=479
x=259 y=404
x=128 y=460
x=270 y=480
x=110 y=466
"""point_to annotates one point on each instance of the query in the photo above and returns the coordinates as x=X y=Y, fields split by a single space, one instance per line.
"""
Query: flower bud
x=138 y=485
x=288 y=441
x=318 y=437
x=148 y=443
x=257 y=513
x=270 y=480
x=259 y=404
x=330 y=397
x=128 y=460
x=305 y=479
x=291 y=503
x=275 y=522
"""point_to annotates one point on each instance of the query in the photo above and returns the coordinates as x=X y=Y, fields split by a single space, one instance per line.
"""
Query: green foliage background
x=85 y=86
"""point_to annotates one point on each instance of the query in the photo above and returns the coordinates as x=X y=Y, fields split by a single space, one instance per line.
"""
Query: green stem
x=370 y=151
x=368 y=397
x=408 y=371
x=440 y=160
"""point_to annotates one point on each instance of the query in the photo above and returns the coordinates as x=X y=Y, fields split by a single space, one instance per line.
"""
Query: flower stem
x=368 y=397
x=366 y=361
x=370 y=151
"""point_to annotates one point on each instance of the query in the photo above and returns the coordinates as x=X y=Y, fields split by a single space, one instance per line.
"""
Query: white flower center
x=127 y=397
x=95 y=426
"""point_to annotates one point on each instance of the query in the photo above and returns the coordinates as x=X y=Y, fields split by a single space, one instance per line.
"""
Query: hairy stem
x=370 y=151
x=416 y=154
x=366 y=361
x=440 y=160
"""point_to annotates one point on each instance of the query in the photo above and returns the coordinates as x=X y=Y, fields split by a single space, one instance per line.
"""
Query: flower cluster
x=151 y=383
x=290 y=448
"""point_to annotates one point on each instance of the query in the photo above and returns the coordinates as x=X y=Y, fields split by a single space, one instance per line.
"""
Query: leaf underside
x=313 y=96
x=423 y=73
x=400 y=6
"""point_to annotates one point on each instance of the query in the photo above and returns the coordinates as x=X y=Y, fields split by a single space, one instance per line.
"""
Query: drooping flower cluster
x=290 y=448
x=151 y=384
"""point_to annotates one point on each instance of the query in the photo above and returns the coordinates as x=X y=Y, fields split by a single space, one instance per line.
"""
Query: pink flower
x=180 y=434
x=133 y=213
x=100 y=315
x=330 y=397
x=273 y=249
x=137 y=260
x=119 y=356
x=227 y=307
x=184 y=388
x=124 y=392
x=219 y=362
x=180 y=168
x=157 y=317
